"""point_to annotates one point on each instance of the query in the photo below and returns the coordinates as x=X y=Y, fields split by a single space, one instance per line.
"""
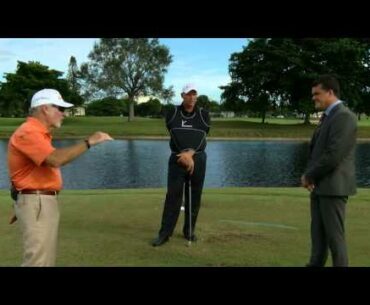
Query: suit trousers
x=328 y=230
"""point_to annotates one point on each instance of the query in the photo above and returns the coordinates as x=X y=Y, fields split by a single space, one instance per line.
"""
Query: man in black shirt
x=188 y=126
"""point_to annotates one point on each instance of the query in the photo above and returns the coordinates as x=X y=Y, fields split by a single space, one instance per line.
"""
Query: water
x=143 y=164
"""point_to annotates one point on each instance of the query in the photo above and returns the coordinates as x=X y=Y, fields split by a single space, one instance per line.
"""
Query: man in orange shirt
x=34 y=169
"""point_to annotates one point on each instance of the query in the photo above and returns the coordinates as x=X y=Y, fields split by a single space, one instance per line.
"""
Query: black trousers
x=327 y=230
x=177 y=177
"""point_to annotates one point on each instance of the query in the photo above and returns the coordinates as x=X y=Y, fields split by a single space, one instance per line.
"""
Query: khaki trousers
x=38 y=217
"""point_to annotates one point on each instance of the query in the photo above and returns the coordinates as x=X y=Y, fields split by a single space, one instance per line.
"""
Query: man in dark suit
x=330 y=174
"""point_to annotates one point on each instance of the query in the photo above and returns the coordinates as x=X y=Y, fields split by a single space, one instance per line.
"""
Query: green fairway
x=236 y=227
x=142 y=127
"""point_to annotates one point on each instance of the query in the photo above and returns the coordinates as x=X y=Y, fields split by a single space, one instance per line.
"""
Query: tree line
x=268 y=75
x=277 y=73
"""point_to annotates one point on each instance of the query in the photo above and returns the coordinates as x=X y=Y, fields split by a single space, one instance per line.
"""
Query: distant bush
x=108 y=106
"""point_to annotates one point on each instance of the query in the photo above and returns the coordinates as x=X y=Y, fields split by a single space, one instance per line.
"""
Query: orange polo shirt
x=28 y=148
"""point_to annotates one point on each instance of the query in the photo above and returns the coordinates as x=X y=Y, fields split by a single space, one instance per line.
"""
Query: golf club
x=190 y=224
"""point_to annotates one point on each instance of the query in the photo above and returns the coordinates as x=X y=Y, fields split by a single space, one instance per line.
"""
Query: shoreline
x=277 y=139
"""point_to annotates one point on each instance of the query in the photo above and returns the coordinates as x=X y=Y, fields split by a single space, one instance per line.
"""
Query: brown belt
x=39 y=192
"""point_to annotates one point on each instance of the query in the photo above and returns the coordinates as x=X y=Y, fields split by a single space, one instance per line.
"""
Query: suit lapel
x=316 y=133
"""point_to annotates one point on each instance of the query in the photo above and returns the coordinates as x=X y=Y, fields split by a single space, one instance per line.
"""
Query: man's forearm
x=62 y=156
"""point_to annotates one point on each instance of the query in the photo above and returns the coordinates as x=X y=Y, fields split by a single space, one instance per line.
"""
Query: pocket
x=20 y=200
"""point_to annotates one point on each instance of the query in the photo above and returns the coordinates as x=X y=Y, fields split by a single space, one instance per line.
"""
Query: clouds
x=6 y=55
x=201 y=61
x=207 y=82
x=206 y=71
x=52 y=52
x=7 y=61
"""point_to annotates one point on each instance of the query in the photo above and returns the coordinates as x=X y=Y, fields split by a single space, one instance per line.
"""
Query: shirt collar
x=332 y=106
x=38 y=125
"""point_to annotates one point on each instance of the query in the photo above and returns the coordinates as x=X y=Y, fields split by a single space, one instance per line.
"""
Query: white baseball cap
x=49 y=96
x=189 y=87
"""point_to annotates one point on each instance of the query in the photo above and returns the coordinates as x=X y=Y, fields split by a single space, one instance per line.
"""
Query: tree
x=231 y=98
x=272 y=71
x=168 y=94
x=345 y=58
x=203 y=101
x=167 y=108
x=17 y=90
x=109 y=106
x=255 y=75
x=150 y=108
x=73 y=79
x=214 y=107
x=127 y=66
x=73 y=73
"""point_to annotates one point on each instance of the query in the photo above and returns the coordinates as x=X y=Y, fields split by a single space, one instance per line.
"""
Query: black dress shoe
x=192 y=238
x=160 y=240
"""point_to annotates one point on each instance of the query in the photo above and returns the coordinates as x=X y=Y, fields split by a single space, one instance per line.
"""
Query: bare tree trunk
x=263 y=117
x=359 y=116
x=131 y=115
x=307 y=118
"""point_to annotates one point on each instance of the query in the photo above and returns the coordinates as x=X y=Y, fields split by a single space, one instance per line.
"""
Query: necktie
x=322 y=118
x=317 y=130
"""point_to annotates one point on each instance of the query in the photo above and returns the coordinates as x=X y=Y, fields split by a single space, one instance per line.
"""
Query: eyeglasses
x=61 y=109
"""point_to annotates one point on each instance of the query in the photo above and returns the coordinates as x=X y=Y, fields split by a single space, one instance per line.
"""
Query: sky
x=202 y=61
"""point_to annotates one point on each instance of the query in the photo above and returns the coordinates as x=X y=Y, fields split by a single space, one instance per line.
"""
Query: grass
x=236 y=227
x=143 y=127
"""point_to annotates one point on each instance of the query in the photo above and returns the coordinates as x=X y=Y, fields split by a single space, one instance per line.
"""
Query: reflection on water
x=138 y=163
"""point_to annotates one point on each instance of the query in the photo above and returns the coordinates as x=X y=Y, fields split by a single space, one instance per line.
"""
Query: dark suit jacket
x=331 y=164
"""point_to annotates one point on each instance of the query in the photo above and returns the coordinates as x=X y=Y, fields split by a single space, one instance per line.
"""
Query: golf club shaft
x=190 y=203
